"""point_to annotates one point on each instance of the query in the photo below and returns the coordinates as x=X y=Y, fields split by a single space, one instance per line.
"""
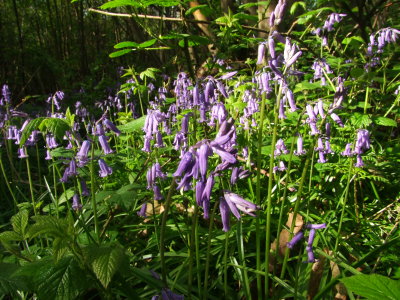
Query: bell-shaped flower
x=105 y=170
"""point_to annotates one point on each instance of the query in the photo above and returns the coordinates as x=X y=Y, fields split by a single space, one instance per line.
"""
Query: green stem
x=226 y=265
x=205 y=296
x=31 y=186
x=269 y=194
x=192 y=249
x=162 y=230
x=7 y=183
x=92 y=191
x=258 y=195
x=344 y=203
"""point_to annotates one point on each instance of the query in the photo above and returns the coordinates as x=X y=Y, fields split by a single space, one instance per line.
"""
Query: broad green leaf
x=135 y=125
x=119 y=53
x=126 y=44
x=356 y=72
x=295 y=5
x=360 y=120
x=195 y=40
x=247 y=5
x=52 y=226
x=305 y=85
x=105 y=261
x=147 y=43
x=385 y=122
x=348 y=40
x=193 y=9
x=8 y=236
x=10 y=284
x=62 y=152
x=119 y=3
x=70 y=117
x=20 y=221
x=373 y=287
x=32 y=125
x=56 y=126
x=68 y=194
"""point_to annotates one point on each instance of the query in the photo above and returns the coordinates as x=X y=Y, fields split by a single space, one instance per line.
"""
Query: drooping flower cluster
x=298 y=236
x=331 y=20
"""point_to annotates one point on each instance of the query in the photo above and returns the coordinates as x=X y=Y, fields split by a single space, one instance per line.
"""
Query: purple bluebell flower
x=105 y=170
x=142 y=211
x=159 y=141
x=222 y=89
x=204 y=153
x=300 y=150
x=280 y=148
x=236 y=203
x=362 y=142
x=328 y=149
x=316 y=226
x=322 y=158
x=104 y=144
x=185 y=164
x=72 y=168
x=359 y=163
x=6 y=95
x=111 y=126
x=51 y=141
x=199 y=189
x=22 y=153
x=48 y=155
x=331 y=20
x=297 y=237
x=320 y=145
x=281 y=111
x=65 y=176
x=206 y=195
x=228 y=75
x=280 y=168
x=347 y=151
x=84 y=188
x=328 y=130
x=82 y=155
x=76 y=203
x=261 y=53
x=314 y=129
x=337 y=119
x=224 y=210
x=157 y=193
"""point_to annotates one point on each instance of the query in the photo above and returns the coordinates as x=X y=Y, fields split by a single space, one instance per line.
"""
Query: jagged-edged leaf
x=385 y=122
x=120 y=53
x=70 y=117
x=32 y=125
x=135 y=125
x=8 y=236
x=9 y=284
x=61 y=280
x=50 y=225
x=360 y=120
x=126 y=44
x=105 y=261
x=20 y=221
x=56 y=126
x=373 y=287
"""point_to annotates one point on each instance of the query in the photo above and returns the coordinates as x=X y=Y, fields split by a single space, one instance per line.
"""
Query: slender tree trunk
x=20 y=42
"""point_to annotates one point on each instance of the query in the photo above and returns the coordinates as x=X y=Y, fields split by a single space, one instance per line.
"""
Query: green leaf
x=135 y=125
x=348 y=40
x=52 y=226
x=10 y=284
x=119 y=3
x=56 y=126
x=8 y=236
x=385 y=122
x=164 y=3
x=305 y=85
x=70 y=117
x=119 y=53
x=126 y=45
x=360 y=120
x=32 y=125
x=356 y=72
x=373 y=287
x=20 y=221
x=247 y=5
x=105 y=261
x=61 y=280
x=194 y=40
x=193 y=9
x=296 y=4
x=147 y=43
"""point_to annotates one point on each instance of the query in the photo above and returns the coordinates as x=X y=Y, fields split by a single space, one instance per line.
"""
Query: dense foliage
x=248 y=160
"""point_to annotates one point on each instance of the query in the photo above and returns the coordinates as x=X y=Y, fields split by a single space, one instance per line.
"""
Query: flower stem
x=162 y=230
x=92 y=192
x=31 y=186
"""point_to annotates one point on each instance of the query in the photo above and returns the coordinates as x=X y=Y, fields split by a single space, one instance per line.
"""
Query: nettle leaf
x=106 y=260
x=20 y=221
x=360 y=120
x=56 y=126
x=32 y=125
x=8 y=283
x=373 y=287
x=385 y=122
x=61 y=280
x=135 y=125
x=8 y=236
x=52 y=226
